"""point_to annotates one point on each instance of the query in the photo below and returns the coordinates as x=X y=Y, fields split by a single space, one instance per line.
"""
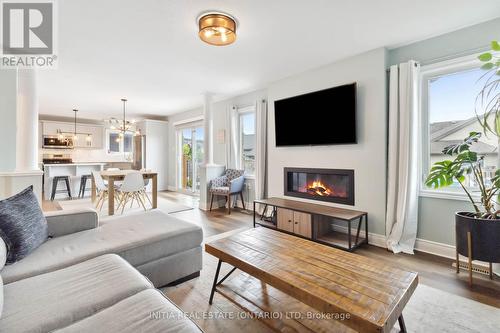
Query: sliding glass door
x=190 y=158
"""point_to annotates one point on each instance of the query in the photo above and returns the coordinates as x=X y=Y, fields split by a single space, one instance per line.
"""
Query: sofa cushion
x=138 y=238
x=148 y=311
x=57 y=299
x=65 y=222
x=22 y=224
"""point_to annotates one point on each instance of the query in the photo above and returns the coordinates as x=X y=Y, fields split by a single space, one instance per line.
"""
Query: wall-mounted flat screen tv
x=325 y=117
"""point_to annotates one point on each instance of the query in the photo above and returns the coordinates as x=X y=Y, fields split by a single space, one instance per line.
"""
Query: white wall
x=367 y=158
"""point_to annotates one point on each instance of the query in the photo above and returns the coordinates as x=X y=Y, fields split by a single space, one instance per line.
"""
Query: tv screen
x=324 y=117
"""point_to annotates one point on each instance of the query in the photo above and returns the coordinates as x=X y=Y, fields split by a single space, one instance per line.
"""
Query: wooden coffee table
x=327 y=279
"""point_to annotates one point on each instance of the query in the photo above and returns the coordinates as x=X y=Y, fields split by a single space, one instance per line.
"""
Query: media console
x=320 y=223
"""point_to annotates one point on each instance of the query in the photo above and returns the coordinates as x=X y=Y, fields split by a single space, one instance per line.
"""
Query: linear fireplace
x=333 y=185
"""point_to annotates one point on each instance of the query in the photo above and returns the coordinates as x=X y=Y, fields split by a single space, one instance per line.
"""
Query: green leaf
x=467 y=157
x=487 y=66
x=497 y=124
x=485 y=56
x=495 y=46
x=441 y=174
x=463 y=146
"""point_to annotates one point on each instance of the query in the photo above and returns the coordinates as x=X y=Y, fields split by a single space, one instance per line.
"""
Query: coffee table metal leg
x=402 y=325
x=216 y=283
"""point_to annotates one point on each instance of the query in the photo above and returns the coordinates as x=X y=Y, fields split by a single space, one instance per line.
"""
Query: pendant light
x=75 y=137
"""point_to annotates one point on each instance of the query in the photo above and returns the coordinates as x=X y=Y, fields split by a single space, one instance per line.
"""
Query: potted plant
x=477 y=232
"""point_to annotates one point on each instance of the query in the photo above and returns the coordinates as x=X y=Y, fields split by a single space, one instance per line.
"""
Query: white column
x=27 y=121
x=8 y=114
x=19 y=133
x=208 y=145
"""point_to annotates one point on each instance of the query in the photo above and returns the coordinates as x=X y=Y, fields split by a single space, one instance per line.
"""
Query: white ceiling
x=149 y=51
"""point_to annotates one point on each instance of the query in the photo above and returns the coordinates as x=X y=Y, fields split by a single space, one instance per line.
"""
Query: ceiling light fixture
x=123 y=125
x=217 y=28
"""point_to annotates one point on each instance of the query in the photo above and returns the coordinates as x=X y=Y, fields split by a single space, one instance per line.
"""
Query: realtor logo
x=28 y=34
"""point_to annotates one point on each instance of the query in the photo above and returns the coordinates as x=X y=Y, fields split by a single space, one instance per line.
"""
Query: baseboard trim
x=435 y=248
x=422 y=245
x=171 y=188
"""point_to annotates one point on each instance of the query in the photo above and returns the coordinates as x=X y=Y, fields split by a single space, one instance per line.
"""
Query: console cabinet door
x=285 y=219
x=302 y=224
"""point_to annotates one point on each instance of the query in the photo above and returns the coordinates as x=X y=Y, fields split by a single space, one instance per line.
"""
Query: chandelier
x=217 y=29
x=123 y=125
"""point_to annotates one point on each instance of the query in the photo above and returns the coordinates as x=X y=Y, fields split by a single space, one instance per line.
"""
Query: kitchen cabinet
x=294 y=222
x=88 y=135
x=53 y=128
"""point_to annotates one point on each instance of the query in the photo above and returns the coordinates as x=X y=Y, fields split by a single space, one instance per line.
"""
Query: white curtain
x=402 y=190
x=233 y=144
x=260 y=149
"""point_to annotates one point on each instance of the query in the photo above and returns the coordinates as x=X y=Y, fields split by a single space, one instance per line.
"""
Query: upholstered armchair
x=227 y=185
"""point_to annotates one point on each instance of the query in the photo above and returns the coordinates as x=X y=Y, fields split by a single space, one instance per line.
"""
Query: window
x=127 y=143
x=116 y=145
x=247 y=141
x=448 y=115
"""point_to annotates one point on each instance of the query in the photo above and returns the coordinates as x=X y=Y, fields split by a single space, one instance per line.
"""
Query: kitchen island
x=74 y=170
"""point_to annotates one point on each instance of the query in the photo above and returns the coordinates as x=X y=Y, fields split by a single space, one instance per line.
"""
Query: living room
x=252 y=167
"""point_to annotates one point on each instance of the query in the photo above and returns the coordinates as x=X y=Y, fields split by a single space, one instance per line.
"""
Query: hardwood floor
x=245 y=291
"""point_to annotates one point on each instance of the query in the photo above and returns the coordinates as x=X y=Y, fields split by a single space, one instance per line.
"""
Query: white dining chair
x=132 y=189
x=102 y=190
x=146 y=183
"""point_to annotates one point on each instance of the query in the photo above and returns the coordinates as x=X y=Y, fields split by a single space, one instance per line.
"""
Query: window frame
x=428 y=72
x=121 y=151
x=251 y=109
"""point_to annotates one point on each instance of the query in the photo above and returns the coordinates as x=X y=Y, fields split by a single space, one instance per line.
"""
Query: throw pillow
x=22 y=224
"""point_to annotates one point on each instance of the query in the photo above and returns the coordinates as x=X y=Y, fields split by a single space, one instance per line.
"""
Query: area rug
x=164 y=205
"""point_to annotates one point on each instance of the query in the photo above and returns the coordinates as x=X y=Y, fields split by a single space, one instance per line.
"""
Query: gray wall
x=367 y=157
x=460 y=42
x=436 y=216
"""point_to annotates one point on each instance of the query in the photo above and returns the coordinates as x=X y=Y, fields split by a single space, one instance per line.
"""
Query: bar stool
x=83 y=184
x=55 y=182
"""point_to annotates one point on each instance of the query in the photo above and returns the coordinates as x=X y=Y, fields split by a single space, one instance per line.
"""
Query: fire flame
x=317 y=187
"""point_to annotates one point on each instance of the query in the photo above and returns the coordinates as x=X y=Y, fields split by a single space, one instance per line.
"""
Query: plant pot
x=485 y=237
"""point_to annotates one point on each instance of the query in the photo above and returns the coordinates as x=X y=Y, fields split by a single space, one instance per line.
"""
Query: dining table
x=113 y=176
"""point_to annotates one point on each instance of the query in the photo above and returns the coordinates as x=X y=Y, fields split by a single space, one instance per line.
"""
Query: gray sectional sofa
x=87 y=276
